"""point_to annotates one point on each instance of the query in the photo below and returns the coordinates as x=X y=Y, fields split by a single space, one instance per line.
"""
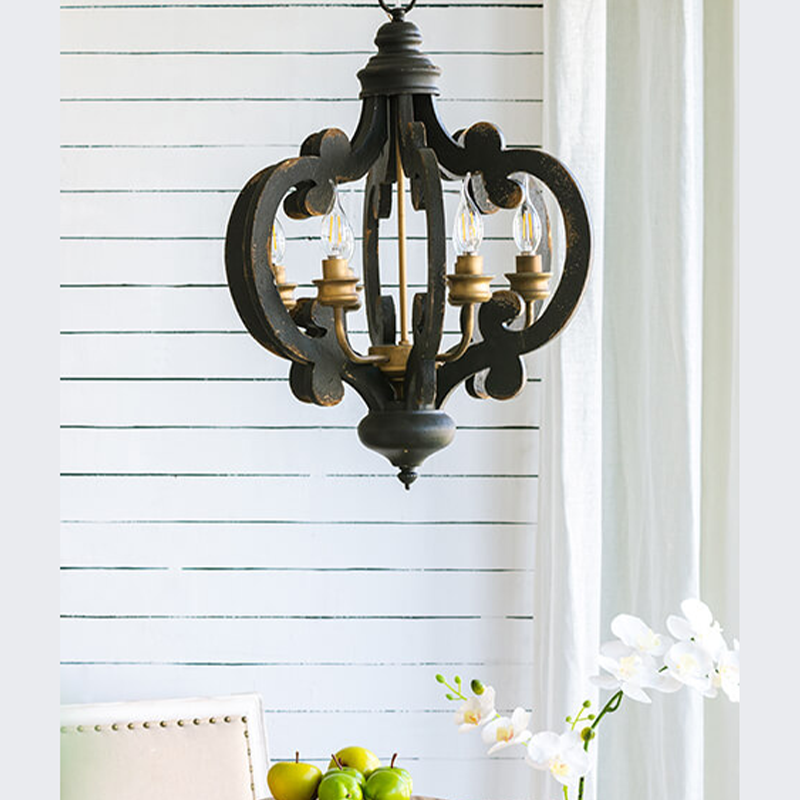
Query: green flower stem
x=566 y=793
x=609 y=708
x=578 y=718
x=453 y=689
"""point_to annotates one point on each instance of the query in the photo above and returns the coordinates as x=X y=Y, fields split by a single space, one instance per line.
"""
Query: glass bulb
x=336 y=234
x=468 y=226
x=527 y=225
x=277 y=243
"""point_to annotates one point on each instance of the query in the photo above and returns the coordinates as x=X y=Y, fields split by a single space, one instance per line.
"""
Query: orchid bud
x=477 y=687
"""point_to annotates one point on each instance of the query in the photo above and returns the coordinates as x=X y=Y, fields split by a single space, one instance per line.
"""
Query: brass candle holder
x=286 y=290
x=530 y=282
x=338 y=287
x=468 y=284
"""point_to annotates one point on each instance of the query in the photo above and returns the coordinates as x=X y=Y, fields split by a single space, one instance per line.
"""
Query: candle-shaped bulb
x=277 y=243
x=527 y=226
x=336 y=234
x=468 y=227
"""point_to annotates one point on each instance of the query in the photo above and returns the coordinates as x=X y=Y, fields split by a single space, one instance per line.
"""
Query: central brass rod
x=401 y=247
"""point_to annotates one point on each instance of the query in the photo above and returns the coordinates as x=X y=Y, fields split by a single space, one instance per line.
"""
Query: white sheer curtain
x=638 y=435
x=568 y=546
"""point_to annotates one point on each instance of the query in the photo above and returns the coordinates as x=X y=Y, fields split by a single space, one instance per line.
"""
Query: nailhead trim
x=249 y=759
x=149 y=725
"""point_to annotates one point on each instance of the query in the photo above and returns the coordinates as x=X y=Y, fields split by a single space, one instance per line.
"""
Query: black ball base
x=406 y=438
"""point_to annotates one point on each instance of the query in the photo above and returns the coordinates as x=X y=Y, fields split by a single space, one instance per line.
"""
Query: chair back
x=209 y=748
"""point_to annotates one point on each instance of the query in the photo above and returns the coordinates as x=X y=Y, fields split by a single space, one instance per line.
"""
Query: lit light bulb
x=468 y=227
x=277 y=243
x=336 y=234
x=527 y=225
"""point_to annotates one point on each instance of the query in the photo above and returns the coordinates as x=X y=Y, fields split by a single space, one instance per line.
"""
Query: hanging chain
x=397 y=12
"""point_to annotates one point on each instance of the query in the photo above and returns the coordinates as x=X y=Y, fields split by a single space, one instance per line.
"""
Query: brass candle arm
x=454 y=353
x=530 y=313
x=344 y=342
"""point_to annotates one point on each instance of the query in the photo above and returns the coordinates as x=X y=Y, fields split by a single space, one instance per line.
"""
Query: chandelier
x=405 y=382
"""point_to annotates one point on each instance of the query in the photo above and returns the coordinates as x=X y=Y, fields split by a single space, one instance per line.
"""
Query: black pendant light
x=405 y=382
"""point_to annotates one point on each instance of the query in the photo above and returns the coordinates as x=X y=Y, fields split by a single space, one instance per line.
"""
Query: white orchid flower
x=631 y=671
x=477 y=710
x=505 y=731
x=697 y=625
x=690 y=664
x=726 y=674
x=635 y=633
x=562 y=755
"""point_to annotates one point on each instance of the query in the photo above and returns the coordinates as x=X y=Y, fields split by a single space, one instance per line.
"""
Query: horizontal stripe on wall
x=284 y=451
x=178 y=169
x=392 y=641
x=398 y=687
x=191 y=261
x=129 y=356
x=146 y=309
x=205 y=214
x=233 y=403
x=251 y=568
x=251 y=27
x=313 y=545
x=256 y=594
x=187 y=4
x=222 y=122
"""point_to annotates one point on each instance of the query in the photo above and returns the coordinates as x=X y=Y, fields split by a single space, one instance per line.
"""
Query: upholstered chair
x=211 y=748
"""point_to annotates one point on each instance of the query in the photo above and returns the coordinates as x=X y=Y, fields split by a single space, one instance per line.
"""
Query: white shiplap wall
x=219 y=536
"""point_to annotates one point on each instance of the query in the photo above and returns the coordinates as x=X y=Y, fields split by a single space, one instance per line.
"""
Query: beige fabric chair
x=211 y=748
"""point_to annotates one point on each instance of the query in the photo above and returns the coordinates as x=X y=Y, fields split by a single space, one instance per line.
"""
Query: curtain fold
x=719 y=524
x=639 y=449
x=652 y=370
x=568 y=547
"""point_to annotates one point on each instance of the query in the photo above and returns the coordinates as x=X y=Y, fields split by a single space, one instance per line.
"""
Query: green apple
x=365 y=761
x=338 y=784
x=338 y=770
x=404 y=773
x=293 y=780
x=389 y=783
